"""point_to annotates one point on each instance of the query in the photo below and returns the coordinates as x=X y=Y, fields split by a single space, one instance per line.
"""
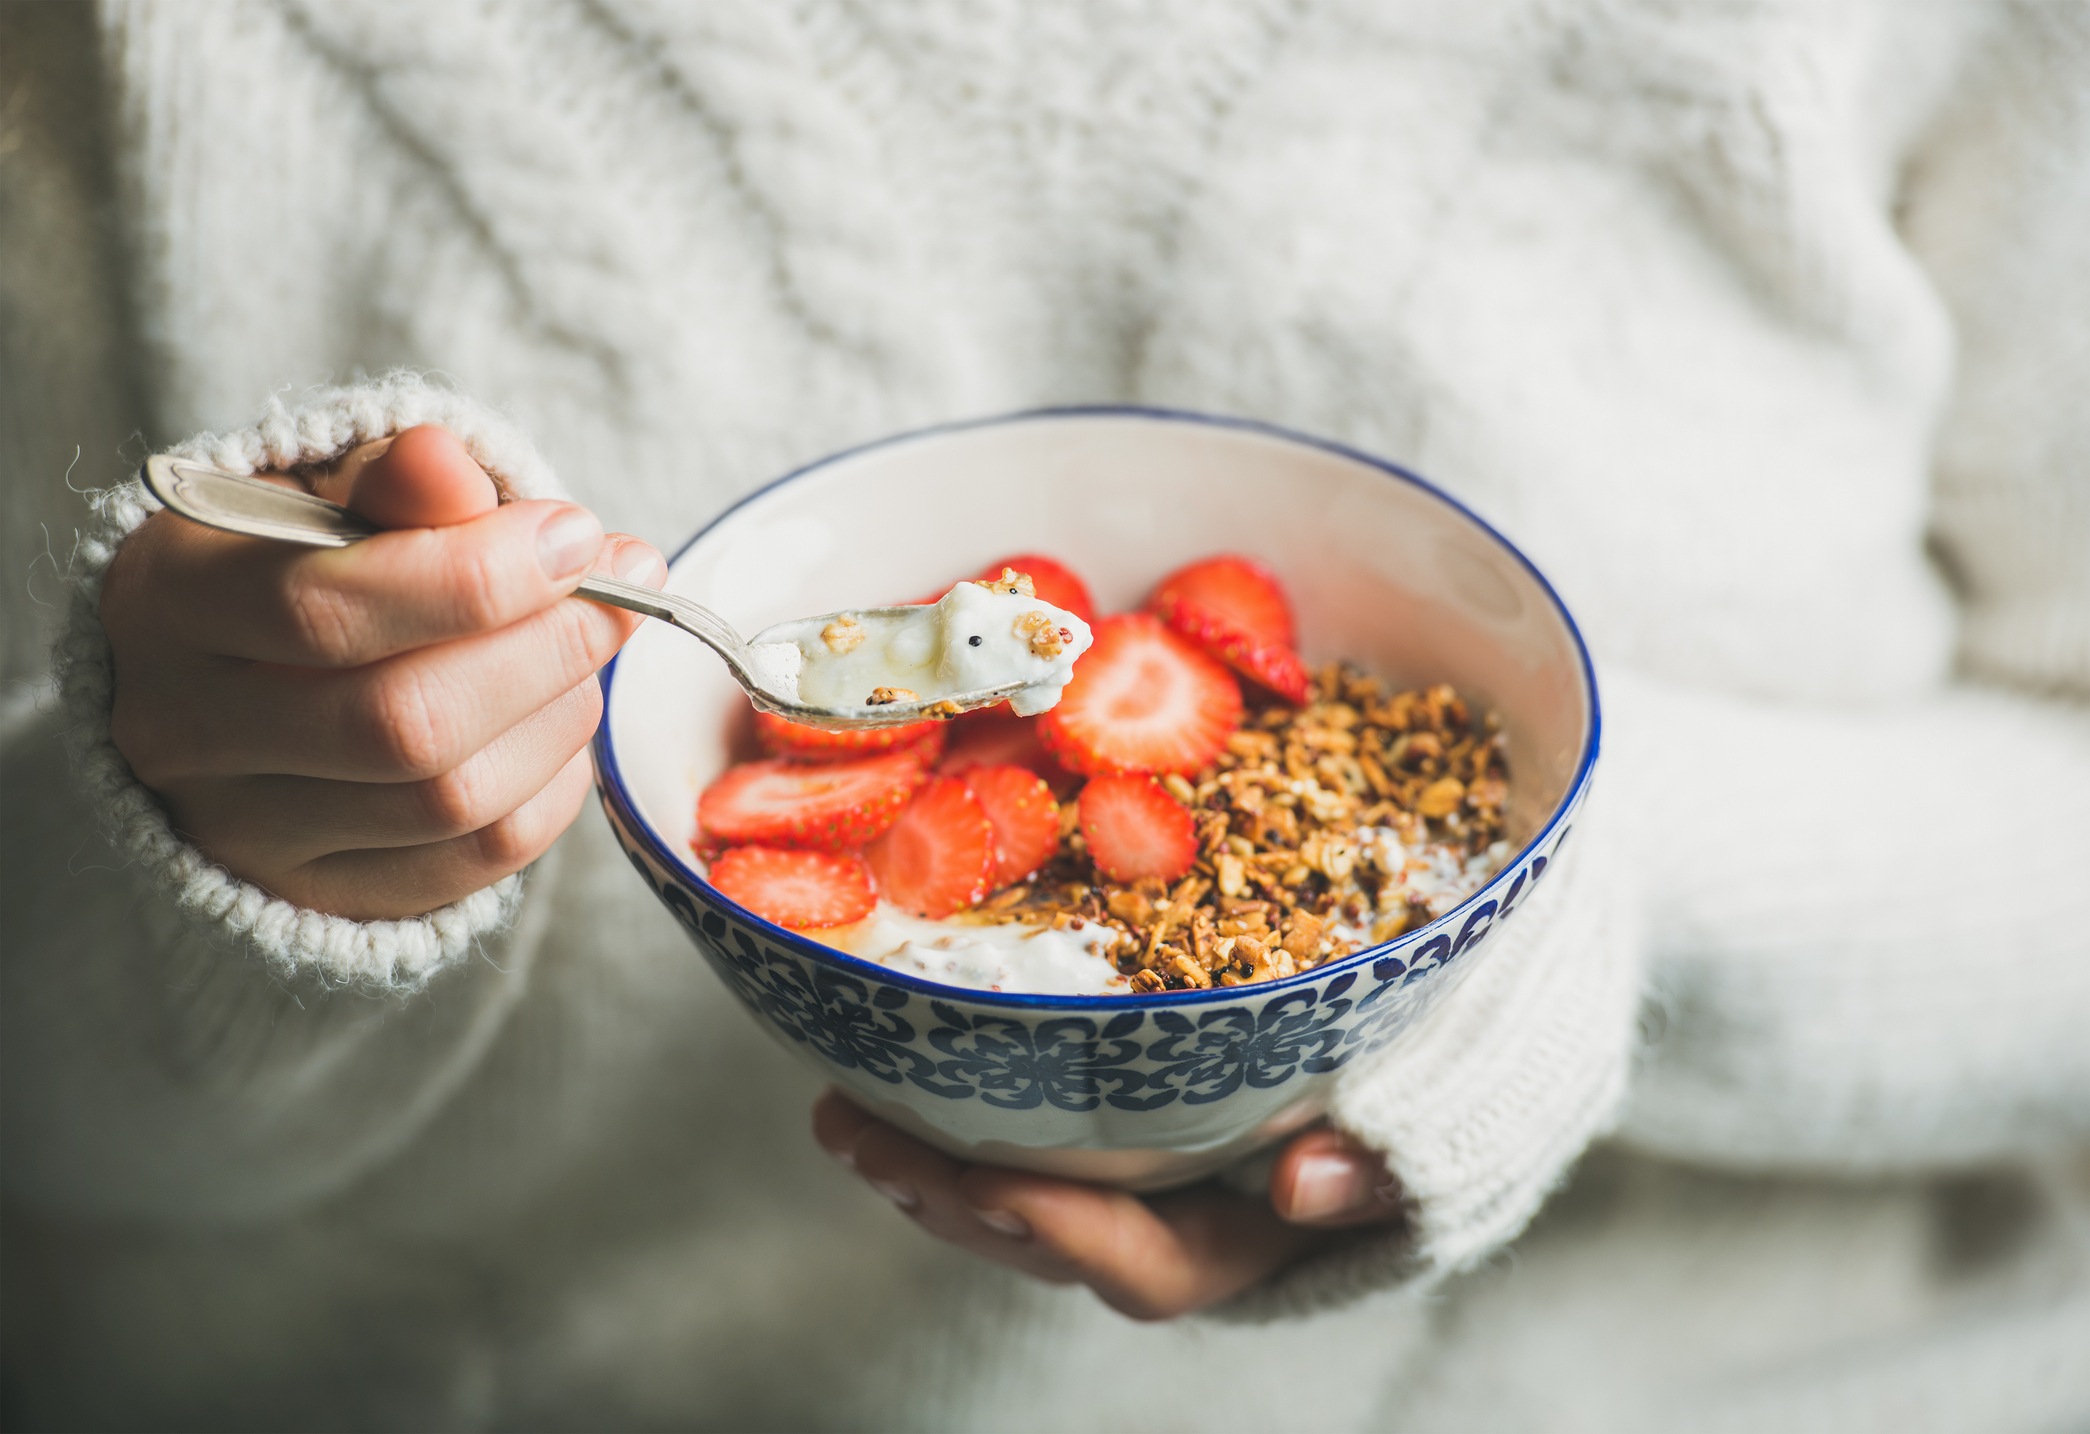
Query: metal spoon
x=238 y=504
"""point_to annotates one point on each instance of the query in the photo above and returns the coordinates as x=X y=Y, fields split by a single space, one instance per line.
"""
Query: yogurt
x=1435 y=876
x=1024 y=959
x=978 y=635
x=1031 y=960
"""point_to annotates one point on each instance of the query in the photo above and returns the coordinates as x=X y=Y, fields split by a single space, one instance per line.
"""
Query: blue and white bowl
x=1139 y=1091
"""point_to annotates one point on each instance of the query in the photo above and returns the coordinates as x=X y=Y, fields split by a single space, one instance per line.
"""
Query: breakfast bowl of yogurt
x=1294 y=734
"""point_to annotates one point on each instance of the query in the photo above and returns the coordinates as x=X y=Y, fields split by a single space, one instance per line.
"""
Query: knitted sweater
x=1758 y=327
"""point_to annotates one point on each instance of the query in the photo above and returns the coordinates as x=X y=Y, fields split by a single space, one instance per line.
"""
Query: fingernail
x=1009 y=1223
x=1324 y=1186
x=893 y=1190
x=638 y=563
x=568 y=542
x=846 y=1155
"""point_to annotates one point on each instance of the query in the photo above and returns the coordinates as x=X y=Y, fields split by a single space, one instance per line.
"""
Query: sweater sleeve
x=1869 y=931
x=1483 y=1107
x=237 y=1053
x=319 y=430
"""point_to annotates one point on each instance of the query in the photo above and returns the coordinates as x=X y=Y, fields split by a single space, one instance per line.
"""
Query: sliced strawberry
x=1135 y=829
x=998 y=737
x=1052 y=579
x=1237 y=591
x=1025 y=818
x=939 y=856
x=1271 y=664
x=803 y=743
x=798 y=889
x=830 y=805
x=1142 y=700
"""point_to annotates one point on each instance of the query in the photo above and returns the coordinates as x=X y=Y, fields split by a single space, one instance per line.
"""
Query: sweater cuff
x=1483 y=1108
x=317 y=430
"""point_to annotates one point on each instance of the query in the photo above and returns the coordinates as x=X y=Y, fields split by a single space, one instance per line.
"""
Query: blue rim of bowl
x=612 y=776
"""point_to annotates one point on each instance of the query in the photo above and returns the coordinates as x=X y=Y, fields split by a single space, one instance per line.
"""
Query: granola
x=1013 y=583
x=1045 y=637
x=843 y=636
x=1312 y=828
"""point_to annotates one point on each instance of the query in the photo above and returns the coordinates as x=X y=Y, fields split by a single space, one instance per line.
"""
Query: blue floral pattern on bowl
x=872 y=1028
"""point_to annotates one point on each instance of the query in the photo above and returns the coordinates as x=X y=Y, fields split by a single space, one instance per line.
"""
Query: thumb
x=1326 y=1178
x=420 y=478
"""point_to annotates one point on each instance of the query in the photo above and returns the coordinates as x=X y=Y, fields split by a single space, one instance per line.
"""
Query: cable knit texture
x=318 y=429
x=1759 y=325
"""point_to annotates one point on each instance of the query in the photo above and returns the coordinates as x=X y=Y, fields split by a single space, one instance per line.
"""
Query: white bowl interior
x=1383 y=572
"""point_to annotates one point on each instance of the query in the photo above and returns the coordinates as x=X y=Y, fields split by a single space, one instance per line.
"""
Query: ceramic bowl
x=1139 y=1091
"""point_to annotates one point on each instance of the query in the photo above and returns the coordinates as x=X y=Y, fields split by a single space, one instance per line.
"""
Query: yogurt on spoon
x=979 y=635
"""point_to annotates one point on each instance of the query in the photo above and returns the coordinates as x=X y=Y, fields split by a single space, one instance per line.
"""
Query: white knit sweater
x=1754 y=324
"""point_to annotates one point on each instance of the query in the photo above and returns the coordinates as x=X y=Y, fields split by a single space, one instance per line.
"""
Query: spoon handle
x=239 y=504
x=699 y=622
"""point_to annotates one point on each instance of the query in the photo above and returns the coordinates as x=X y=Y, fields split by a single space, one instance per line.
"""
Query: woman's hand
x=372 y=731
x=1150 y=1258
